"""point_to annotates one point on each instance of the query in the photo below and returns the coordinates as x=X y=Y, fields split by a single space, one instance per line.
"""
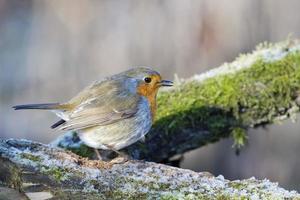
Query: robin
x=112 y=113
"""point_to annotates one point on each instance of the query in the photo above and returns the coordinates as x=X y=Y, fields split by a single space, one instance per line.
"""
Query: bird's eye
x=147 y=79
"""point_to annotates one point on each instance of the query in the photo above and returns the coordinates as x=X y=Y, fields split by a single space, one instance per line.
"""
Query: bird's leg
x=117 y=152
x=98 y=154
x=122 y=157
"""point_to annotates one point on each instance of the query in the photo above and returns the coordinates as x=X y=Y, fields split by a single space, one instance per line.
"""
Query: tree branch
x=37 y=169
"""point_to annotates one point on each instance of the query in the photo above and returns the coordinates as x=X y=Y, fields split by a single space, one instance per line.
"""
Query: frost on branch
x=37 y=169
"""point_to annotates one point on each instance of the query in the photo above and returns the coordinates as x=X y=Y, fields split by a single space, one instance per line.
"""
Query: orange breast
x=150 y=93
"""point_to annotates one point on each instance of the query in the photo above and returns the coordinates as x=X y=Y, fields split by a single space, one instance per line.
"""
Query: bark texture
x=40 y=171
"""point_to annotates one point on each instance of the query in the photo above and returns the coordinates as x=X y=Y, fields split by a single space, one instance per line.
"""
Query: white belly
x=122 y=133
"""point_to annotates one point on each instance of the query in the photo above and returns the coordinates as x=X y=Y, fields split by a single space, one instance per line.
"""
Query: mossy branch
x=39 y=170
x=257 y=89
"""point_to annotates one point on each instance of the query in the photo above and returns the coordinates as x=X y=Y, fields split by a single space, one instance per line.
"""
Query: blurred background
x=51 y=49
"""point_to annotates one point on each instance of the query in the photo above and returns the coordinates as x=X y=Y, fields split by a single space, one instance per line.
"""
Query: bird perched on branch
x=112 y=113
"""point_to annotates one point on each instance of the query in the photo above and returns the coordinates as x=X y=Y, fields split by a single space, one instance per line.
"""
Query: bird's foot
x=98 y=154
x=119 y=160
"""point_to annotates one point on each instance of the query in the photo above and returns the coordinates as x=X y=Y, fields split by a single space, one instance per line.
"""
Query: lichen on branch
x=33 y=168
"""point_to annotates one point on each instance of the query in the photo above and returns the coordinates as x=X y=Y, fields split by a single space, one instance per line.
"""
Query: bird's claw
x=119 y=160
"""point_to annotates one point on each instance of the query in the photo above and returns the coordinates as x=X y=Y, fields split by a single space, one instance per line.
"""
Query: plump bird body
x=122 y=133
x=112 y=113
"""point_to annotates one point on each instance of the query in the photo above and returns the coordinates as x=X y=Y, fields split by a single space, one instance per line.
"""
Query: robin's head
x=148 y=80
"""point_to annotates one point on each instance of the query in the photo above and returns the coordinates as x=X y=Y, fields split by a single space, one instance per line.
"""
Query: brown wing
x=105 y=104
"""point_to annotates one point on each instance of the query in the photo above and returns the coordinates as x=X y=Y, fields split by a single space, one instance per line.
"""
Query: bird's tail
x=45 y=106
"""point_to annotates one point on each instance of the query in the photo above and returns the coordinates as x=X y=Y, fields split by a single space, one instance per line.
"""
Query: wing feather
x=105 y=104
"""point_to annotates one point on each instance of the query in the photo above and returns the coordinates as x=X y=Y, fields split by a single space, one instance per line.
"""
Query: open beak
x=166 y=83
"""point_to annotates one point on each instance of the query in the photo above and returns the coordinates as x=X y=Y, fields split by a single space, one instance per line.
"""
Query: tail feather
x=57 y=124
x=46 y=106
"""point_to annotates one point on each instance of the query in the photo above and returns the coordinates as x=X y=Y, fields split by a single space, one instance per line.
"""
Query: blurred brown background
x=50 y=49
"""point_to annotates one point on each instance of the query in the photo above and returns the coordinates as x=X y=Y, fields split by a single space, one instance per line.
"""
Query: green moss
x=200 y=196
x=83 y=151
x=30 y=157
x=155 y=190
x=237 y=185
x=240 y=137
x=12 y=178
x=73 y=142
x=77 y=195
x=264 y=87
x=57 y=173
x=183 y=197
x=169 y=197
x=120 y=195
x=224 y=197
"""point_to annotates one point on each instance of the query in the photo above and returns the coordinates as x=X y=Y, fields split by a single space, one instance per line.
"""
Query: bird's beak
x=165 y=83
